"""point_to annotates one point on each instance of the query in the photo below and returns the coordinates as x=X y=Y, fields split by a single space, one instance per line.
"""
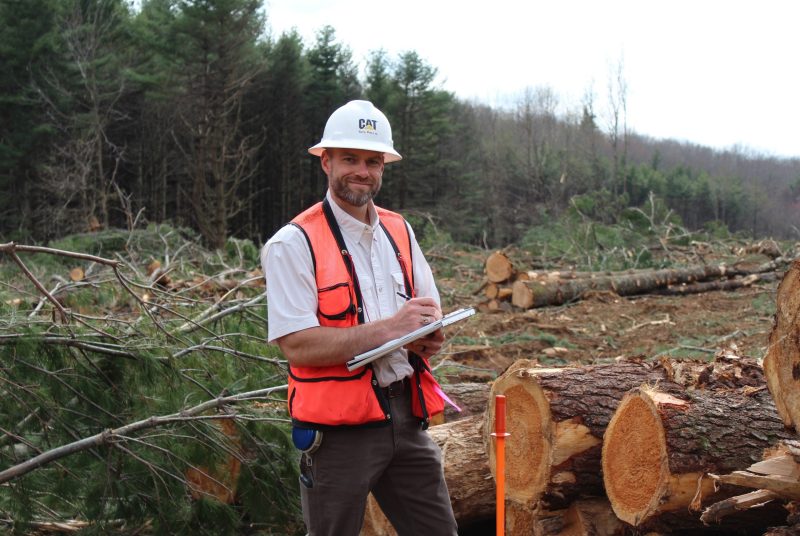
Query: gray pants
x=399 y=464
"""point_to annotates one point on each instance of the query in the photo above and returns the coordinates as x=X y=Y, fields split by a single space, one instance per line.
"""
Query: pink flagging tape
x=446 y=398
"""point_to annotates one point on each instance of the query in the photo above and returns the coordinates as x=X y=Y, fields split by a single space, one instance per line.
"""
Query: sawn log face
x=782 y=362
x=659 y=448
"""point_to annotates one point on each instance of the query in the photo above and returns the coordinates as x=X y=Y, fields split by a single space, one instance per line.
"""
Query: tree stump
x=659 y=448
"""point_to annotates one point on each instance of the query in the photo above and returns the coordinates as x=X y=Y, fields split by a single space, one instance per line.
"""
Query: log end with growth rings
x=634 y=458
x=782 y=362
x=529 y=448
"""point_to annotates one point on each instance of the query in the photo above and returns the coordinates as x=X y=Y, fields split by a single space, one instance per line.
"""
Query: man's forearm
x=324 y=346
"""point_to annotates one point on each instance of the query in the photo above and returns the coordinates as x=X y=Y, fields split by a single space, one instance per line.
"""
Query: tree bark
x=722 y=284
x=782 y=363
x=470 y=397
x=659 y=448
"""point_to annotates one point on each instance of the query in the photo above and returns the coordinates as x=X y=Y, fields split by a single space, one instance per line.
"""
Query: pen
x=404 y=296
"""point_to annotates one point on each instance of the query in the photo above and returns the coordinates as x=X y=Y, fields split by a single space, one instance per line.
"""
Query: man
x=345 y=277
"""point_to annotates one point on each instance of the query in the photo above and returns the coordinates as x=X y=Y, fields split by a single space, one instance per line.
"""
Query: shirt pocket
x=398 y=287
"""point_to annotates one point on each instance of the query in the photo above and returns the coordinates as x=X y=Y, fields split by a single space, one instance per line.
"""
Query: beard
x=357 y=199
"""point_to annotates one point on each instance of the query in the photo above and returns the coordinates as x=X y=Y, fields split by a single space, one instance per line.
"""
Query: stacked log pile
x=505 y=286
x=668 y=447
x=558 y=419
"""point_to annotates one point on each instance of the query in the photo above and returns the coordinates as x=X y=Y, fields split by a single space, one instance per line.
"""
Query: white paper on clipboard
x=391 y=346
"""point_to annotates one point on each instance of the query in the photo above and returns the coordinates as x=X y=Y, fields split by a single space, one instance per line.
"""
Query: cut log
x=504 y=294
x=491 y=290
x=498 y=267
x=495 y=291
x=521 y=519
x=466 y=471
x=542 y=292
x=589 y=517
x=219 y=481
x=556 y=418
x=472 y=398
x=586 y=517
x=721 y=284
x=659 y=448
x=782 y=362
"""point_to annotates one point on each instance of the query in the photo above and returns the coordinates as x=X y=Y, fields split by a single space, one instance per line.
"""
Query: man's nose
x=362 y=169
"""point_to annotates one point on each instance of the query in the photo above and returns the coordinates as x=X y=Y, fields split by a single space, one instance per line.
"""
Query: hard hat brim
x=389 y=154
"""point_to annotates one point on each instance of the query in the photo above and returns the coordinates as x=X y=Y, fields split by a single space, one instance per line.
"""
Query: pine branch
x=108 y=437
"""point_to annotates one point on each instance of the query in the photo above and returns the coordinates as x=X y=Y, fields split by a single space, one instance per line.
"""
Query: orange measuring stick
x=500 y=462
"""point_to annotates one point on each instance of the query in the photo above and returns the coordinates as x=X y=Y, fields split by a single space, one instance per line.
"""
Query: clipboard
x=395 y=344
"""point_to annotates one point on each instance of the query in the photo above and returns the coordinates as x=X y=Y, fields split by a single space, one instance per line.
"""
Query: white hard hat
x=358 y=125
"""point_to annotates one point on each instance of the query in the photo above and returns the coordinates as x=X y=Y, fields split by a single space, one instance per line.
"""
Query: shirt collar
x=351 y=226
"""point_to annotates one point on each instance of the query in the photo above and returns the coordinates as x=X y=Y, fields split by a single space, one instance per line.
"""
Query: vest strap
x=346 y=258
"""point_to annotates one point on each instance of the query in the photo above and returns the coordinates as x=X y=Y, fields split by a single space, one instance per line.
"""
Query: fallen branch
x=110 y=436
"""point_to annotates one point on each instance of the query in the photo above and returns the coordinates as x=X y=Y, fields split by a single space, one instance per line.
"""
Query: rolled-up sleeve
x=291 y=287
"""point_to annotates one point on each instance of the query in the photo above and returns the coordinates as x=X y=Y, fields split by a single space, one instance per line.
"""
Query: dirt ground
x=607 y=327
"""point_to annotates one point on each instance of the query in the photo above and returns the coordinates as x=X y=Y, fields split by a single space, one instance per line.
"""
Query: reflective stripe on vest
x=333 y=396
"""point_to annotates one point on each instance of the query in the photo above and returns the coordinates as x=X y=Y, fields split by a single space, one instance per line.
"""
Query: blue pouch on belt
x=305 y=439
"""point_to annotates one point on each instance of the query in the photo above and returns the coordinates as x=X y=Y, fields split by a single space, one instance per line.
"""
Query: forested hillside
x=191 y=112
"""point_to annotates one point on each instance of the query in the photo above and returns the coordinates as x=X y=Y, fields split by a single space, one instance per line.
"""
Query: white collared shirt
x=292 y=288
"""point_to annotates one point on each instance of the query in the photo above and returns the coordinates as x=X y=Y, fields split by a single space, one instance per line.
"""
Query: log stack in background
x=505 y=285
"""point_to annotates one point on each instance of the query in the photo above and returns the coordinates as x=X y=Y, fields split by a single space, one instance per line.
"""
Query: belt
x=397 y=388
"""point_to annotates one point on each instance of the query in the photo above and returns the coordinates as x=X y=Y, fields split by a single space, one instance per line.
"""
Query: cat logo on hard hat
x=368 y=125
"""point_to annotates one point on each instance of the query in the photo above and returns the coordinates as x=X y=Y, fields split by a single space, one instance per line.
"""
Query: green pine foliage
x=113 y=365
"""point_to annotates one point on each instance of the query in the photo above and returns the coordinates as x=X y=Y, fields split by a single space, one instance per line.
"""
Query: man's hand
x=427 y=346
x=416 y=313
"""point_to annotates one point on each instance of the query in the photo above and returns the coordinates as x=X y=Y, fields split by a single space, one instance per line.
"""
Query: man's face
x=354 y=175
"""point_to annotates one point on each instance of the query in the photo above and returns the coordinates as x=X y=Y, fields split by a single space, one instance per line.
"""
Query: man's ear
x=325 y=161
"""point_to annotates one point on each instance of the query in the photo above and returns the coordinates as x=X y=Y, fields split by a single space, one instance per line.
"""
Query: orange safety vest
x=333 y=396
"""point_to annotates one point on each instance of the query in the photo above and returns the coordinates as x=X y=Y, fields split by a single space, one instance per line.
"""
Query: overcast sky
x=713 y=72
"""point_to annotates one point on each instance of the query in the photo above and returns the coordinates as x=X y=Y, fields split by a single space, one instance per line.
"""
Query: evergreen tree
x=420 y=117
x=379 y=87
x=217 y=66
x=332 y=83
x=279 y=100
x=26 y=47
x=154 y=162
